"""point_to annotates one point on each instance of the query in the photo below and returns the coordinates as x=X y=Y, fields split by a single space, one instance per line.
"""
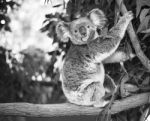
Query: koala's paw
x=128 y=16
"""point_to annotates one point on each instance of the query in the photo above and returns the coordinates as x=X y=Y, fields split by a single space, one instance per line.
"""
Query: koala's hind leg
x=109 y=87
x=98 y=95
x=93 y=95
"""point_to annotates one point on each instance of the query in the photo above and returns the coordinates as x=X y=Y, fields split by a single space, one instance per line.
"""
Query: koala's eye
x=88 y=26
x=75 y=31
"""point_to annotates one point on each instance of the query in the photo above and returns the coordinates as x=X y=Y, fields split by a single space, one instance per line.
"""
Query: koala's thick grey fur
x=83 y=73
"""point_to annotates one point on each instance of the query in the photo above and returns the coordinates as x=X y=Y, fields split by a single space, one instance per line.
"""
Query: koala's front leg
x=119 y=29
x=103 y=47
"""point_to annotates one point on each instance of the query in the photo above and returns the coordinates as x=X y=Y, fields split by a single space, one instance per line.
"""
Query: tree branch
x=66 y=109
x=134 y=39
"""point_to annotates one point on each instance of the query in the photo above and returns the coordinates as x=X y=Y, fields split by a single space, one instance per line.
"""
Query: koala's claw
x=128 y=15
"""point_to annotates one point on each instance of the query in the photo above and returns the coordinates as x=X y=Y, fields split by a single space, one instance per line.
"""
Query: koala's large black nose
x=82 y=30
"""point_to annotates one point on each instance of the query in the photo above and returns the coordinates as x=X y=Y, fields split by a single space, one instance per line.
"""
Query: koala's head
x=82 y=30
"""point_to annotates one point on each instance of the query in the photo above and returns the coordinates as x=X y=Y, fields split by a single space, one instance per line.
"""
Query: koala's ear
x=98 y=17
x=62 y=30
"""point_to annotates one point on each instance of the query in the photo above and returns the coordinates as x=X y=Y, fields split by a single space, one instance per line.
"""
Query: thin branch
x=66 y=109
x=134 y=39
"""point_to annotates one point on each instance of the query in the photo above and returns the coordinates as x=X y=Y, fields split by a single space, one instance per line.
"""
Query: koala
x=83 y=72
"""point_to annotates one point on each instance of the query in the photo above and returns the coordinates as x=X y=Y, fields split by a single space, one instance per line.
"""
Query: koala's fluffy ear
x=97 y=17
x=62 y=30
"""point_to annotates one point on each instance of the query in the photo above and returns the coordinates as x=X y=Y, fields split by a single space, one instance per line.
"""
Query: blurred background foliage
x=31 y=55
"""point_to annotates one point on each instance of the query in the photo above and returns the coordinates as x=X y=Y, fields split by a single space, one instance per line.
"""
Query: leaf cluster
x=4 y=17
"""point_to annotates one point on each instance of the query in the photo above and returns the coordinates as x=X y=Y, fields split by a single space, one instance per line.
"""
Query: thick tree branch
x=66 y=109
x=134 y=39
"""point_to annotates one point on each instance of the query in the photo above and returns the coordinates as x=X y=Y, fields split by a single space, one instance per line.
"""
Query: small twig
x=134 y=39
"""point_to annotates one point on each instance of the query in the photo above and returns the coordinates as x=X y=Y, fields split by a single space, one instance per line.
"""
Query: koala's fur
x=83 y=73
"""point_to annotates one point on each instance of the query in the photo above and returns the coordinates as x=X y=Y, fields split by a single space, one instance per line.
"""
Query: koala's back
x=79 y=67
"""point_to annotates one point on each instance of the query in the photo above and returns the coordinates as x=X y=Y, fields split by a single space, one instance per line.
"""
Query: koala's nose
x=82 y=30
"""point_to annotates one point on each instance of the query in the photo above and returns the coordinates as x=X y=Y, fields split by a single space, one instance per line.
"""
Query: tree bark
x=67 y=109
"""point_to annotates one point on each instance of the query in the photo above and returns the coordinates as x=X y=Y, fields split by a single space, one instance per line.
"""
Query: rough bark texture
x=66 y=109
